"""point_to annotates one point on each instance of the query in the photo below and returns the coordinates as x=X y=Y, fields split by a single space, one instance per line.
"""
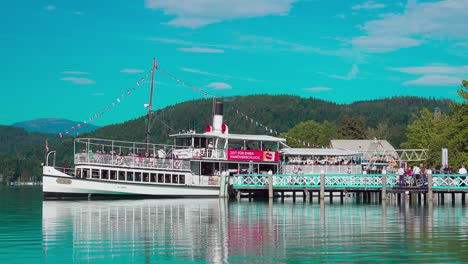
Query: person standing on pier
x=401 y=174
x=416 y=174
x=462 y=170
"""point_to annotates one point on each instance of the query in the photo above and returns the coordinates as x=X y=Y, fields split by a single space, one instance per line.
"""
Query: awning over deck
x=264 y=138
x=318 y=152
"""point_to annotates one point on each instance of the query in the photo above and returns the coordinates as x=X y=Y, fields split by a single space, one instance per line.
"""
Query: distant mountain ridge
x=53 y=125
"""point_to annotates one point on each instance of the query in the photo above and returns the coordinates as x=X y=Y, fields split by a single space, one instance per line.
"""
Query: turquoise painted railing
x=450 y=181
x=358 y=181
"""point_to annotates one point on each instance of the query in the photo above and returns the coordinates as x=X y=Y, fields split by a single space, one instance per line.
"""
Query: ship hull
x=60 y=185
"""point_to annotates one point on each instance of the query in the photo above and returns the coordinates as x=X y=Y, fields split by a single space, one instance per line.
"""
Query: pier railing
x=347 y=181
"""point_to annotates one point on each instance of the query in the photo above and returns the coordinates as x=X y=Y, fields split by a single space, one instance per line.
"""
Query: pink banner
x=252 y=155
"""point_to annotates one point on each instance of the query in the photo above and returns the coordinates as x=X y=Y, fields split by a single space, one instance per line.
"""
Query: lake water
x=216 y=231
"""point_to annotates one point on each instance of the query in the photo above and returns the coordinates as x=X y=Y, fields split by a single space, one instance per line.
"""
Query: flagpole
x=148 y=126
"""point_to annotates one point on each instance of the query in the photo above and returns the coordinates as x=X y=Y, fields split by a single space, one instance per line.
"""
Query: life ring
x=176 y=164
x=348 y=170
x=119 y=161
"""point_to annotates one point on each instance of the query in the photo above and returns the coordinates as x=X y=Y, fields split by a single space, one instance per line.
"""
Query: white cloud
x=461 y=45
x=49 y=7
x=219 y=86
x=378 y=44
x=369 y=5
x=253 y=43
x=318 y=89
x=434 y=74
x=201 y=50
x=437 y=69
x=428 y=20
x=195 y=71
x=351 y=74
x=199 y=13
x=78 y=80
x=78 y=13
x=131 y=71
x=435 y=80
x=340 y=16
x=75 y=72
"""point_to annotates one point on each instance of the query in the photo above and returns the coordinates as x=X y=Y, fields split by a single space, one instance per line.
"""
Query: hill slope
x=52 y=125
x=21 y=152
x=280 y=113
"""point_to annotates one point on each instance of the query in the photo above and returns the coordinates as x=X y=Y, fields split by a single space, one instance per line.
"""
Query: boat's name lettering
x=63 y=181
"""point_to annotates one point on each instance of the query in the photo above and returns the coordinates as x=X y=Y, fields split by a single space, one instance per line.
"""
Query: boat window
x=160 y=177
x=244 y=168
x=264 y=168
x=105 y=174
x=195 y=167
x=121 y=175
x=85 y=173
x=207 y=168
x=129 y=175
x=113 y=175
x=174 y=178
x=203 y=142
x=167 y=178
x=233 y=167
x=153 y=177
x=181 y=179
x=145 y=177
x=138 y=176
x=78 y=173
x=196 y=142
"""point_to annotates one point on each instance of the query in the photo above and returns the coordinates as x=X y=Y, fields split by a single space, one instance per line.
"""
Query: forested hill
x=22 y=152
x=279 y=113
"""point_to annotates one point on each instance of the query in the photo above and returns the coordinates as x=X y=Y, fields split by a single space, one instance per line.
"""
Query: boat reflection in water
x=141 y=230
x=215 y=231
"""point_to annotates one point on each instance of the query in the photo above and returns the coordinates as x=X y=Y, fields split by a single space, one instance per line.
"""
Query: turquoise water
x=215 y=231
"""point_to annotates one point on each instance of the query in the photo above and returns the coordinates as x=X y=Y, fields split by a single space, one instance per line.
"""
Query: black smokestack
x=218 y=108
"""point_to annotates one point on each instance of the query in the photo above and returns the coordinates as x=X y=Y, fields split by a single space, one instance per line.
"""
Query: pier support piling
x=270 y=185
x=322 y=185
x=384 y=185
x=430 y=195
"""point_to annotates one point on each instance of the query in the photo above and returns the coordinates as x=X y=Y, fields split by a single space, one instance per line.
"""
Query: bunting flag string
x=273 y=131
x=188 y=85
x=92 y=117
x=200 y=91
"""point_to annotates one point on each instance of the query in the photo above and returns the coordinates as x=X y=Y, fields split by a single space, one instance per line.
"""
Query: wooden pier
x=363 y=187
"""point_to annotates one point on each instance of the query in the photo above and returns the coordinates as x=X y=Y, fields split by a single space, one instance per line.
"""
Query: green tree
x=311 y=133
x=382 y=131
x=351 y=128
x=446 y=131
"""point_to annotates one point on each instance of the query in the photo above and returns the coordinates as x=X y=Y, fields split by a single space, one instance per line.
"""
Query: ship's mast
x=150 y=106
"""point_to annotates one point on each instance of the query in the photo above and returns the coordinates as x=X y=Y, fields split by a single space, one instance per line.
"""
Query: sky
x=74 y=59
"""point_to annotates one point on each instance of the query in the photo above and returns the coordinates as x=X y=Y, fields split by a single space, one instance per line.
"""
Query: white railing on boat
x=130 y=161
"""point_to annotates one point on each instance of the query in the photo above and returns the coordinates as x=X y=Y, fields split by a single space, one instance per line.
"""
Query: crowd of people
x=417 y=175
